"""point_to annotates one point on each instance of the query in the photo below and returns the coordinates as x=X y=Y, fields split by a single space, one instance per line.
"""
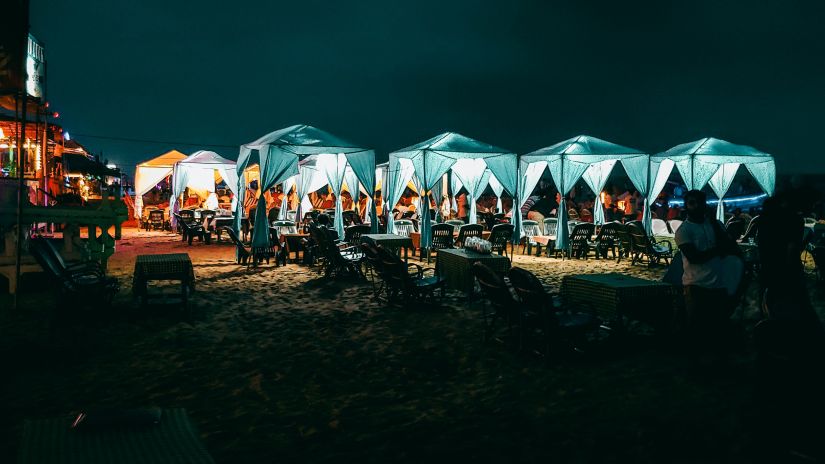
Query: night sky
x=387 y=74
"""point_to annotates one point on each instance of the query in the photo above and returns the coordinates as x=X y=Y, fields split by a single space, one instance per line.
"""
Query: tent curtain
x=531 y=174
x=473 y=173
x=308 y=180
x=276 y=166
x=498 y=189
x=145 y=179
x=399 y=174
x=437 y=193
x=720 y=183
x=179 y=180
x=287 y=186
x=596 y=177
x=334 y=166
x=363 y=165
x=565 y=173
x=695 y=172
x=455 y=186
x=638 y=170
x=765 y=175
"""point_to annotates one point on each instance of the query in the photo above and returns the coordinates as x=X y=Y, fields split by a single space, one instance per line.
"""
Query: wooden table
x=172 y=266
x=615 y=296
x=456 y=266
x=173 y=439
x=390 y=241
x=221 y=221
x=292 y=243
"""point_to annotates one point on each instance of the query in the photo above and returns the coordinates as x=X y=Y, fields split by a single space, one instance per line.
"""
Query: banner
x=13 y=36
x=35 y=69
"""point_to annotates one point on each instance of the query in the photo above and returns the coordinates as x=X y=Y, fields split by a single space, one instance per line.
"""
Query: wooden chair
x=501 y=236
x=338 y=259
x=85 y=285
x=468 y=230
x=408 y=280
x=243 y=253
x=645 y=246
x=502 y=304
x=607 y=240
x=442 y=237
x=580 y=240
x=625 y=242
x=190 y=230
x=352 y=234
x=542 y=312
x=156 y=221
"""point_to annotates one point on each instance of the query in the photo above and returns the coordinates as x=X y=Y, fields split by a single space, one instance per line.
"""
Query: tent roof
x=713 y=147
x=167 y=159
x=586 y=145
x=204 y=157
x=451 y=142
x=304 y=139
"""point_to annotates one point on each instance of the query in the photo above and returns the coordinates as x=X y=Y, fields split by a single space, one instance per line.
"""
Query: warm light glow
x=602 y=196
x=37 y=160
x=2 y=134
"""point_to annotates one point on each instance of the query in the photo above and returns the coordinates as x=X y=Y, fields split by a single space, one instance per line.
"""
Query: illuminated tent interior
x=149 y=173
x=200 y=172
x=470 y=161
x=584 y=157
x=713 y=162
x=311 y=158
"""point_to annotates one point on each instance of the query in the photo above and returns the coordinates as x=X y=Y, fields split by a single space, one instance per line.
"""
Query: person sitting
x=542 y=208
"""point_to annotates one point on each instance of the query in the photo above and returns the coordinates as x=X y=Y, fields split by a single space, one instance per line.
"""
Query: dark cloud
x=516 y=74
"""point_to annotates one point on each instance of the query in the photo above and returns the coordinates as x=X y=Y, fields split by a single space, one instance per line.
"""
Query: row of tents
x=308 y=158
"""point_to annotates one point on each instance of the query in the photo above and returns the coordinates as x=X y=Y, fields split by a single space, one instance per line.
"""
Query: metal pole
x=21 y=167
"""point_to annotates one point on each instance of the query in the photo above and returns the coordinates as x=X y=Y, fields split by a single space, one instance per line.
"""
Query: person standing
x=704 y=244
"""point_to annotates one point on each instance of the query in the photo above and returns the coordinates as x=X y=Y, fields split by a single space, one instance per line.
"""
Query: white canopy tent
x=471 y=161
x=198 y=171
x=581 y=156
x=150 y=172
x=311 y=154
x=714 y=162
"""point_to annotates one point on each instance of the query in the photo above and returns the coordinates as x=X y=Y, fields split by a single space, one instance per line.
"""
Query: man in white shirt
x=704 y=244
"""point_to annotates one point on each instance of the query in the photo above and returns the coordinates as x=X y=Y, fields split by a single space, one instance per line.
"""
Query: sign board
x=35 y=69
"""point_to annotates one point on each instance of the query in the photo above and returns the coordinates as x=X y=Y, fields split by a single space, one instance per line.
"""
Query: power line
x=162 y=142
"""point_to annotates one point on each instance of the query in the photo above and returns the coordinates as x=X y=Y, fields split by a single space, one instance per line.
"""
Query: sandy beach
x=277 y=364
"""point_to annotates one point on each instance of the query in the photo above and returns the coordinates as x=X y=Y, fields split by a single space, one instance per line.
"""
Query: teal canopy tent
x=471 y=161
x=198 y=171
x=571 y=159
x=282 y=154
x=713 y=162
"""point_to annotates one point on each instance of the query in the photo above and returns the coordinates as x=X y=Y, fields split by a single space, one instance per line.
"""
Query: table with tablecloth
x=416 y=238
x=390 y=241
x=614 y=296
x=456 y=267
x=170 y=266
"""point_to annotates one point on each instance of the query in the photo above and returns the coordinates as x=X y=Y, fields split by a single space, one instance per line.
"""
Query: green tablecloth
x=614 y=296
x=173 y=440
x=455 y=265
